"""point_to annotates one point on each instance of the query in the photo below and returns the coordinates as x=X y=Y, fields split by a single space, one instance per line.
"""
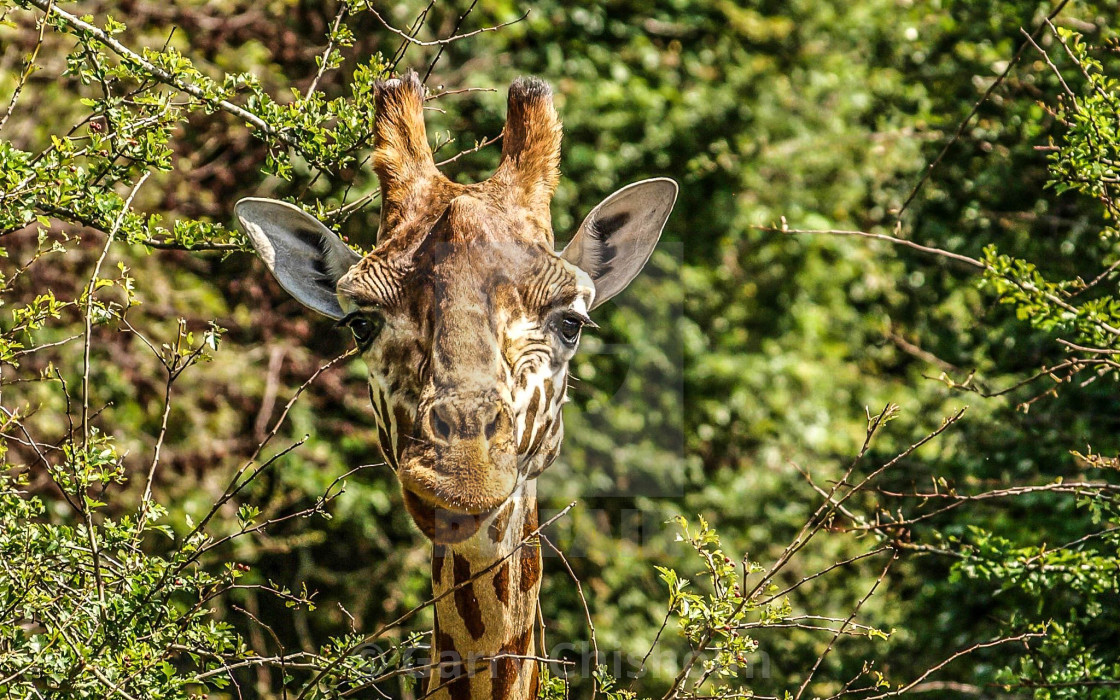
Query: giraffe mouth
x=441 y=525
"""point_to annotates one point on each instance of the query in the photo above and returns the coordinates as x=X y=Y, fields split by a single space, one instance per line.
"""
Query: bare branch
x=973 y=262
x=973 y=112
x=28 y=68
x=330 y=47
x=963 y=652
x=586 y=609
x=527 y=539
x=440 y=42
x=855 y=611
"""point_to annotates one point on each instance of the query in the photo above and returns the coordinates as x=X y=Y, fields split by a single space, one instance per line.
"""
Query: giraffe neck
x=494 y=615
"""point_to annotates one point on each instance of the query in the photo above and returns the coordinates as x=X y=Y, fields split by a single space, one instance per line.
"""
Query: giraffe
x=466 y=318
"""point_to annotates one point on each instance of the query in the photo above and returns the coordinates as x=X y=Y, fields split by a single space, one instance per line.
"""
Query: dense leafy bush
x=191 y=502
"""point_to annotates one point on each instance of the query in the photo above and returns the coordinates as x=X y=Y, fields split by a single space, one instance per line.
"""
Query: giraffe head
x=465 y=314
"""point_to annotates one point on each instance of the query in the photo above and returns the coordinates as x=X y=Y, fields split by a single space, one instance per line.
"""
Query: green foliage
x=1064 y=591
x=722 y=612
x=1085 y=159
x=136 y=473
x=87 y=614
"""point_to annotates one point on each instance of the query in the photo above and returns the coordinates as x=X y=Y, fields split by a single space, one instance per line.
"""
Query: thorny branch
x=970 y=261
x=832 y=501
x=28 y=69
x=586 y=609
x=855 y=611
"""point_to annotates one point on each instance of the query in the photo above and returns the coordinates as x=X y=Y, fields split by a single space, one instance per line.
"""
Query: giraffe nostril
x=439 y=424
x=494 y=423
x=451 y=421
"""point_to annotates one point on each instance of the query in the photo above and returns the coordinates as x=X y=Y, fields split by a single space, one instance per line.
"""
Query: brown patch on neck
x=439 y=553
x=534 y=681
x=531 y=552
x=530 y=568
x=466 y=602
x=520 y=643
x=500 y=522
x=451 y=669
x=501 y=583
x=505 y=669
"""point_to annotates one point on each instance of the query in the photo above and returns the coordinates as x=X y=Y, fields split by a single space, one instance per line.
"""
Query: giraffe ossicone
x=467 y=317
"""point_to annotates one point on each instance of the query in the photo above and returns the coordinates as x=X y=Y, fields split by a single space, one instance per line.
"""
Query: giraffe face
x=465 y=314
x=467 y=333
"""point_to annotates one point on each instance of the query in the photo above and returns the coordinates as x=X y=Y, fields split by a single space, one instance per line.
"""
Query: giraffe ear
x=304 y=256
x=618 y=236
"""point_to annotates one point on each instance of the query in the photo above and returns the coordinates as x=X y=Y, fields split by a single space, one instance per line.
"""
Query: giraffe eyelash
x=578 y=315
x=583 y=318
x=345 y=321
x=365 y=324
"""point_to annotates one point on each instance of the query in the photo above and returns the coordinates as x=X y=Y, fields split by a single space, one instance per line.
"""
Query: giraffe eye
x=569 y=327
x=365 y=328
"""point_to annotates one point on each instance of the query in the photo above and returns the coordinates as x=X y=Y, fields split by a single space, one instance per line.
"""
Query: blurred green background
x=739 y=356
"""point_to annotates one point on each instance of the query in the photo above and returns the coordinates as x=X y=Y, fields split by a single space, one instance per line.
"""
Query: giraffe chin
x=440 y=525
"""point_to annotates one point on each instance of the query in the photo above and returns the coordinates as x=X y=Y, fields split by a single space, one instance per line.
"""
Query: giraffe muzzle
x=440 y=525
x=462 y=469
x=449 y=498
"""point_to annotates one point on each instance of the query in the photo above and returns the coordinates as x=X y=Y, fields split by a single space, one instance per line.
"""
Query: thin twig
x=454 y=31
x=460 y=91
x=1110 y=99
x=525 y=540
x=330 y=47
x=1082 y=348
x=437 y=42
x=652 y=646
x=973 y=262
x=586 y=610
x=957 y=500
x=855 y=611
x=964 y=652
x=974 y=111
x=822 y=572
x=147 y=497
x=478 y=147
x=200 y=247
x=90 y=289
x=1054 y=69
x=161 y=75
x=417 y=25
x=29 y=67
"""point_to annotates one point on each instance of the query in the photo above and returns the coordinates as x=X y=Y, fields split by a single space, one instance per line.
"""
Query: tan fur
x=466 y=377
x=530 y=163
x=504 y=604
x=402 y=158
